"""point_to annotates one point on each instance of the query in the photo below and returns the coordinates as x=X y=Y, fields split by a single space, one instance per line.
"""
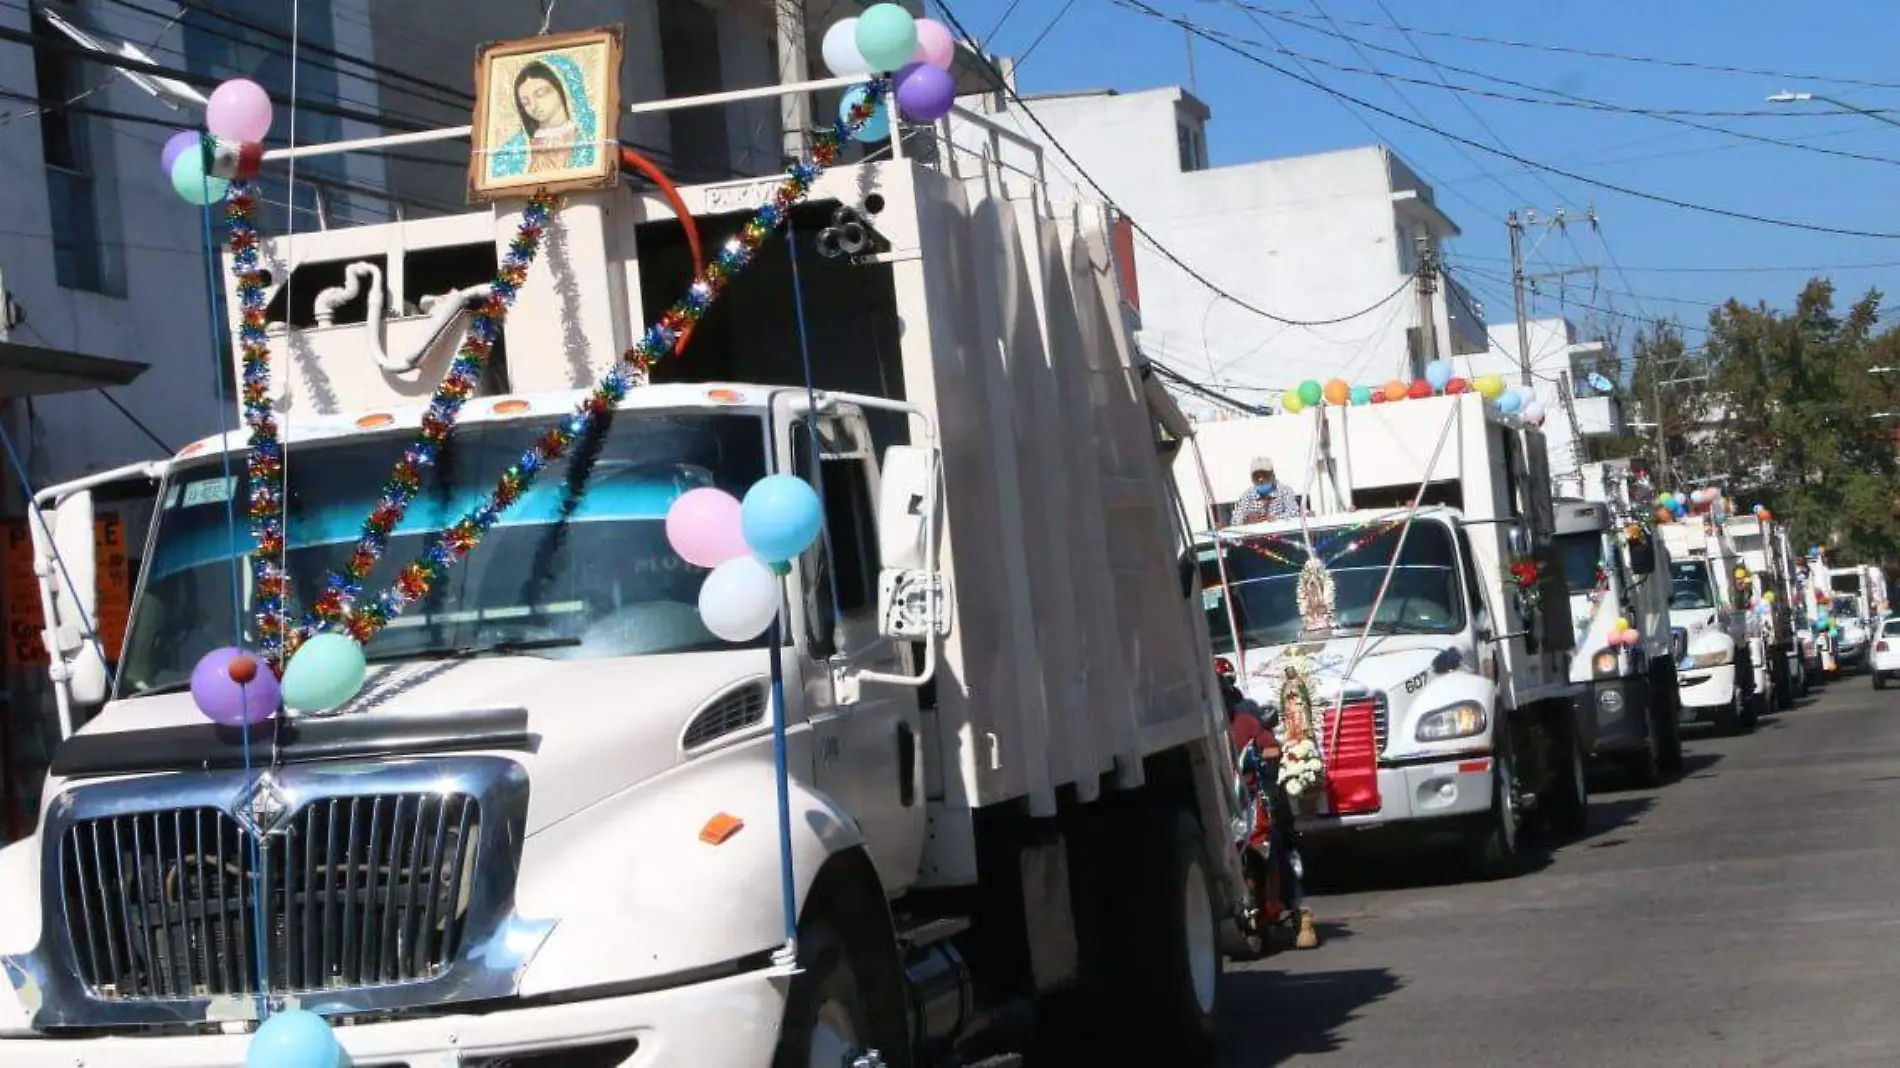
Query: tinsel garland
x=265 y=468
x=334 y=605
x=415 y=580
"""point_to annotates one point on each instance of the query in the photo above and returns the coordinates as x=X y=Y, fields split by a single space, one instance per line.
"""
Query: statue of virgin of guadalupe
x=1315 y=593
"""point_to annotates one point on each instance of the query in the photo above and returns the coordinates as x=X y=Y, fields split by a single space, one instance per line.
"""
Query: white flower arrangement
x=1301 y=770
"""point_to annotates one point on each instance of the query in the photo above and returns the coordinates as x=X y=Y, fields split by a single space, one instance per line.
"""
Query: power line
x=1592 y=53
x=1002 y=84
x=1759 y=269
x=1566 y=99
x=1046 y=30
x=1706 y=209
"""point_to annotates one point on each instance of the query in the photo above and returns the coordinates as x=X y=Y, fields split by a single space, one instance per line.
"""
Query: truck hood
x=1387 y=664
x=599 y=726
x=1699 y=625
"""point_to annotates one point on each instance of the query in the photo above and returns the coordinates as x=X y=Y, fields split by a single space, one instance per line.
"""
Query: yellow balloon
x=1291 y=403
x=1621 y=624
x=1769 y=596
x=1491 y=386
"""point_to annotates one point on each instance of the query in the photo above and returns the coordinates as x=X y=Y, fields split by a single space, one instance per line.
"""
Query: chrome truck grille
x=354 y=892
x=354 y=886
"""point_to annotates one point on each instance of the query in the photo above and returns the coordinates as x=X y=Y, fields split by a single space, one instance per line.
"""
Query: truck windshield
x=1846 y=607
x=1580 y=558
x=574 y=570
x=1689 y=585
x=1424 y=598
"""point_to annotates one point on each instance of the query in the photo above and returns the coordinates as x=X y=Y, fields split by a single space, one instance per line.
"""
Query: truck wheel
x=1736 y=717
x=846 y=999
x=1669 y=727
x=1646 y=766
x=1567 y=801
x=1880 y=681
x=1493 y=848
x=1171 y=918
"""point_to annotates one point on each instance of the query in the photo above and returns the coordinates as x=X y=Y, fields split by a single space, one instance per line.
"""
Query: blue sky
x=1664 y=252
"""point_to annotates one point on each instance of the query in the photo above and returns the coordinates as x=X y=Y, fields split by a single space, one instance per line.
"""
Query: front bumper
x=729 y=1021
x=1417 y=794
x=1706 y=691
x=1621 y=707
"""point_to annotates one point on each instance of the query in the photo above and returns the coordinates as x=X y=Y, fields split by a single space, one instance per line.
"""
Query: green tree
x=1667 y=395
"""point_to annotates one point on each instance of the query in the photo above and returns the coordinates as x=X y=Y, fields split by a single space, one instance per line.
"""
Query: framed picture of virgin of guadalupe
x=547 y=115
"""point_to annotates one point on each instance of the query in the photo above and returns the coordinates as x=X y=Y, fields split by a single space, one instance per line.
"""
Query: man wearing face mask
x=1265 y=499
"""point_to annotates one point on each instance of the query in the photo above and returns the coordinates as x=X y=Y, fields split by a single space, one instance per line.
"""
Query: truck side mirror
x=911 y=602
x=1642 y=558
x=69 y=593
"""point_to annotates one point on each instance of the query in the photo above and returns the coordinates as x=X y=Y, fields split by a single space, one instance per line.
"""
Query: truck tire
x=847 y=998
x=1169 y=911
x=1567 y=800
x=1737 y=717
x=1668 y=700
x=1645 y=768
x=1493 y=851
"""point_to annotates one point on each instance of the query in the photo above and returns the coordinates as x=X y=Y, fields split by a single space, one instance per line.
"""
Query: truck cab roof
x=1335 y=519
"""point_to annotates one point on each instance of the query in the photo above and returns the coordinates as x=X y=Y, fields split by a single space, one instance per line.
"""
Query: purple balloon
x=180 y=143
x=223 y=699
x=925 y=93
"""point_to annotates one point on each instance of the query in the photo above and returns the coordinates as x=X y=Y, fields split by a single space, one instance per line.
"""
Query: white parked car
x=1885 y=659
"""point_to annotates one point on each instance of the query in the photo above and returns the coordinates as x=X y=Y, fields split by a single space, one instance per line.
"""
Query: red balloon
x=1378 y=396
x=1457 y=385
x=1420 y=389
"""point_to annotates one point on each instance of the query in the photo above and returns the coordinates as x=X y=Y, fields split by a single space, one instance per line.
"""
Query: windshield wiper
x=508 y=647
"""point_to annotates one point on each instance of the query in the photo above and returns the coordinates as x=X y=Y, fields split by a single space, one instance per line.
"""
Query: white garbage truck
x=1618 y=580
x=978 y=774
x=1857 y=606
x=1414 y=618
x=1762 y=545
x=1719 y=677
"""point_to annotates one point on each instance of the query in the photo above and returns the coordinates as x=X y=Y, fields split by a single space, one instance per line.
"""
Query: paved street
x=1748 y=914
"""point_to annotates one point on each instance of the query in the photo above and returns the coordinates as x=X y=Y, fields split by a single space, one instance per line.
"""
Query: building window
x=1192 y=144
x=700 y=147
x=65 y=147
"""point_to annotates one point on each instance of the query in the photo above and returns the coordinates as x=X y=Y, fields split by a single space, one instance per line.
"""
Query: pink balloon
x=1631 y=637
x=239 y=110
x=703 y=527
x=935 y=45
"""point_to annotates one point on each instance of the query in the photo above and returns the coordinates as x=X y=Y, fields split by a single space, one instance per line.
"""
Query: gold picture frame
x=547 y=115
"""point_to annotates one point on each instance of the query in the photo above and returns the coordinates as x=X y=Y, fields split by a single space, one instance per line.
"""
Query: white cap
x=1261 y=463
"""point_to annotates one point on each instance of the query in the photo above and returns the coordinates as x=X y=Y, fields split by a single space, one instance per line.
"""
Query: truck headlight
x=1604 y=663
x=1716 y=658
x=1461 y=720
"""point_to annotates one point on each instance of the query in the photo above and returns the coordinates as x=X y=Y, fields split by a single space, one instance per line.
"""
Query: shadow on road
x=1269 y=1017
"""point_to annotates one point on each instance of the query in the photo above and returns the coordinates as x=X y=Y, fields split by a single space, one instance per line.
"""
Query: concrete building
x=1561 y=366
x=1305 y=238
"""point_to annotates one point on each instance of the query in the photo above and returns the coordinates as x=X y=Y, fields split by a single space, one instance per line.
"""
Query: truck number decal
x=1415 y=683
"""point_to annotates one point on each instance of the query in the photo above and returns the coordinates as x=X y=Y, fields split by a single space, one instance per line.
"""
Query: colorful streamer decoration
x=269 y=584
x=664 y=337
x=333 y=606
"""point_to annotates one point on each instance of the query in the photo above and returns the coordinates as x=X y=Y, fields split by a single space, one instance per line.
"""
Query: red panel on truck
x=1352 y=760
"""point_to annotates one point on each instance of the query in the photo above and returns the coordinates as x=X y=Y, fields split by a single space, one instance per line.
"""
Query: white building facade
x=1562 y=365
x=1307 y=238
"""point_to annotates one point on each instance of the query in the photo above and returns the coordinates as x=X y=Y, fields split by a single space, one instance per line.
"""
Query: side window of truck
x=844 y=579
x=1474 y=590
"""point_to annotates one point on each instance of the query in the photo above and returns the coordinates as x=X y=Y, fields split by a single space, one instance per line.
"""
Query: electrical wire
x=1049 y=138
x=1640 y=194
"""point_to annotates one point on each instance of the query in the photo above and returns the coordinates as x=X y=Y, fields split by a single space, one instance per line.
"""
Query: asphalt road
x=1745 y=914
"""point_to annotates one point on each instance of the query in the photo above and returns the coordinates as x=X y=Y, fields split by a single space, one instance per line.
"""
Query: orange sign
x=24 y=620
x=113 y=582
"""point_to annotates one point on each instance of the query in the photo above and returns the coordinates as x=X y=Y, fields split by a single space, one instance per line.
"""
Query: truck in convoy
x=978 y=775
x=1719 y=676
x=1762 y=545
x=1817 y=600
x=1618 y=580
x=1858 y=604
x=1414 y=612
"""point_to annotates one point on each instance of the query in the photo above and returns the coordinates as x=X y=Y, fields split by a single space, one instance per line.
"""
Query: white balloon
x=1534 y=412
x=740 y=599
x=841 y=49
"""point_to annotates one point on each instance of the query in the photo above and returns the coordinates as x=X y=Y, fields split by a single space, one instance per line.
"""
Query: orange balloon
x=1338 y=392
x=1396 y=390
x=1767 y=516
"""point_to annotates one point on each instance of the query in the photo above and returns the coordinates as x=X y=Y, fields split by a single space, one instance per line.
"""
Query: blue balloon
x=1438 y=373
x=877 y=127
x=294 y=1038
x=1509 y=401
x=325 y=673
x=1360 y=395
x=780 y=517
x=190 y=181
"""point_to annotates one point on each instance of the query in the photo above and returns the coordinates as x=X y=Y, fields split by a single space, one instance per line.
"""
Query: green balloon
x=1311 y=393
x=193 y=184
x=887 y=37
x=324 y=674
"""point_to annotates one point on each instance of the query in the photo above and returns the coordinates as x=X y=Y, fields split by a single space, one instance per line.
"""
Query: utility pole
x=1427 y=279
x=1518 y=224
x=1662 y=435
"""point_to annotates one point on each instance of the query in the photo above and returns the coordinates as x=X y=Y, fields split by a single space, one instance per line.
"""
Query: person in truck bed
x=1265 y=499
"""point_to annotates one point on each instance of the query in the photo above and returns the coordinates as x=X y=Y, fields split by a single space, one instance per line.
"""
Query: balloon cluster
x=295 y=1038
x=1762 y=514
x=1707 y=502
x=916 y=53
x=1439 y=380
x=1621 y=633
x=747 y=544
x=202 y=166
x=235 y=687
